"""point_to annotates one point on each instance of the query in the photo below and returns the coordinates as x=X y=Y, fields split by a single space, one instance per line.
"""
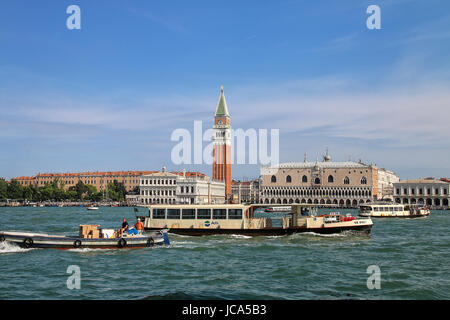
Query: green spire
x=222 y=109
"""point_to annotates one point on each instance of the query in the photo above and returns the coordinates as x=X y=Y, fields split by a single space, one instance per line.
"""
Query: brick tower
x=222 y=144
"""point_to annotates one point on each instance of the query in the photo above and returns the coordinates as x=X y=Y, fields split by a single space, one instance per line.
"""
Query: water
x=413 y=256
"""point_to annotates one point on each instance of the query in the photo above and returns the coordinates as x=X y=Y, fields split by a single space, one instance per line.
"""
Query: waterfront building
x=180 y=188
x=326 y=182
x=386 y=180
x=222 y=144
x=428 y=191
x=245 y=191
x=100 y=180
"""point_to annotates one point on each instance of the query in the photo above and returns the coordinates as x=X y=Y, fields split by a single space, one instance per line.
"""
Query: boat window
x=159 y=213
x=203 y=213
x=173 y=213
x=391 y=209
x=235 y=214
x=375 y=209
x=219 y=213
x=188 y=214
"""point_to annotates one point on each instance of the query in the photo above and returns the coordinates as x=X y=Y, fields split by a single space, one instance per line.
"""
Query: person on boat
x=139 y=226
x=124 y=227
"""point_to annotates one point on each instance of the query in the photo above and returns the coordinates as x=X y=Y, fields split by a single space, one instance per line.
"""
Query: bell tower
x=222 y=144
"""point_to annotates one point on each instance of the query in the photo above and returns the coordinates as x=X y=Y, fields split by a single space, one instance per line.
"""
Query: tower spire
x=222 y=109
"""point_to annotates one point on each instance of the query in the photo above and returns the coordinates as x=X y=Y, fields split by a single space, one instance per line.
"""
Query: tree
x=116 y=191
x=81 y=189
x=14 y=190
x=28 y=193
x=3 y=189
x=91 y=191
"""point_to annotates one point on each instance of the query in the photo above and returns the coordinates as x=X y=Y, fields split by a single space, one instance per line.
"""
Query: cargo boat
x=199 y=220
x=391 y=210
x=40 y=240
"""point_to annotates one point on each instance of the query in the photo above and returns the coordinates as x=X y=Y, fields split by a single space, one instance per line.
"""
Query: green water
x=413 y=256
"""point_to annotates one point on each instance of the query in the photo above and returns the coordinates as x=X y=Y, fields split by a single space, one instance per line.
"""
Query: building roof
x=222 y=109
x=188 y=174
x=411 y=181
x=322 y=164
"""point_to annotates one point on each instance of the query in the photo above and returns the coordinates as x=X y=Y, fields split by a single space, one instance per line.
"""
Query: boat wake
x=332 y=235
x=240 y=236
x=9 y=247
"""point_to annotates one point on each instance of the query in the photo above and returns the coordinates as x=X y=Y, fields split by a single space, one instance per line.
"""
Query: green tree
x=3 y=189
x=15 y=190
x=46 y=192
x=116 y=191
x=91 y=191
x=71 y=195
x=81 y=189
x=28 y=193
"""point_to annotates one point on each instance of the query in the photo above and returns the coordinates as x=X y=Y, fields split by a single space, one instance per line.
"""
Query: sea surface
x=413 y=257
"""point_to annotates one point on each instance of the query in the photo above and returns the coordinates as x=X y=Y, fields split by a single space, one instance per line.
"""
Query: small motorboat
x=40 y=240
x=92 y=208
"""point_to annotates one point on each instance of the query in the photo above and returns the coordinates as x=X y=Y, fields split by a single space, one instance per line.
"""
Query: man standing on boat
x=139 y=226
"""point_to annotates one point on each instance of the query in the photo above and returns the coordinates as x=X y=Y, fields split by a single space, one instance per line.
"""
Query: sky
x=109 y=96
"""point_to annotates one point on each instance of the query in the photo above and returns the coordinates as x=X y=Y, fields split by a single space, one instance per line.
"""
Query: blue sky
x=108 y=96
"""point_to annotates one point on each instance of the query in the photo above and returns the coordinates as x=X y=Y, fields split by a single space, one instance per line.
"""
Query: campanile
x=222 y=144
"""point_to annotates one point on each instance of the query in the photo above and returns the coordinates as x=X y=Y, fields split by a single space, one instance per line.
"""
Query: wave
x=9 y=247
x=240 y=236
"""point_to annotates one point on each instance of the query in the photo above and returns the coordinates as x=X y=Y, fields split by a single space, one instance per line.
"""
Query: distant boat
x=278 y=209
x=92 y=208
x=391 y=210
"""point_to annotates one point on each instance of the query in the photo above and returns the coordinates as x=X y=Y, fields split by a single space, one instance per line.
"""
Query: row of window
x=215 y=214
x=158 y=192
x=146 y=182
x=420 y=191
x=388 y=209
x=273 y=179
x=186 y=189
x=158 y=201
x=317 y=192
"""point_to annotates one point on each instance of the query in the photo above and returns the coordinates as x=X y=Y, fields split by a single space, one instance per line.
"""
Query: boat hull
x=30 y=240
x=362 y=229
x=411 y=216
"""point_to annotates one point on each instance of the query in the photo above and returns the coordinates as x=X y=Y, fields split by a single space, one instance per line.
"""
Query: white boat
x=199 y=220
x=391 y=210
x=92 y=208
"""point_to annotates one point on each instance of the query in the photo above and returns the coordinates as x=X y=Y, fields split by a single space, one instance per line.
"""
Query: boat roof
x=233 y=205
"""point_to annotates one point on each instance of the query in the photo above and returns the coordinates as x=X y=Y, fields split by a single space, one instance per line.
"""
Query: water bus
x=211 y=219
x=391 y=210
x=88 y=238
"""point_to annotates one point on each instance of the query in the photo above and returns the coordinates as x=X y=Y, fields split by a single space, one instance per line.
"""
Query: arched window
x=304 y=179
x=330 y=179
x=346 y=180
x=363 y=180
x=317 y=181
x=288 y=179
x=273 y=179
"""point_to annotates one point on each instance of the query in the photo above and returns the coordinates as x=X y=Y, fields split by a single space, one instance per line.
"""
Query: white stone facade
x=386 y=180
x=178 y=188
x=428 y=192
